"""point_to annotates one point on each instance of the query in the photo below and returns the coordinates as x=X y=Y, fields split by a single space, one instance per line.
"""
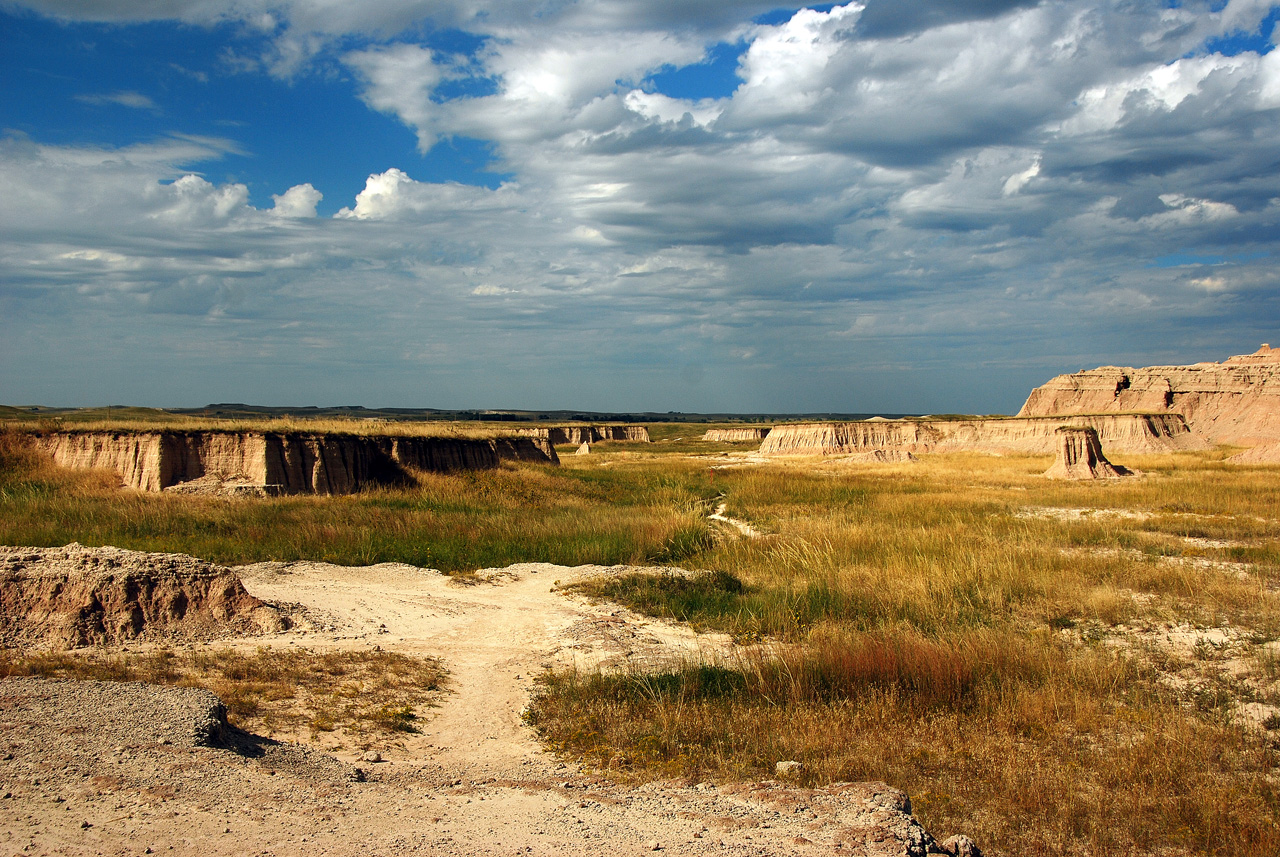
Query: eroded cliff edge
x=280 y=462
x=1034 y=435
x=1236 y=401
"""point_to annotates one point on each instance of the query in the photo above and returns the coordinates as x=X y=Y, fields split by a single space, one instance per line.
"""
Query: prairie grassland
x=368 y=693
x=452 y=522
x=1049 y=681
x=1053 y=668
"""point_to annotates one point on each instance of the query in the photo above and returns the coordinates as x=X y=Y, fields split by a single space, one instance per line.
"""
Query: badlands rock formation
x=77 y=596
x=1080 y=456
x=579 y=435
x=280 y=462
x=736 y=434
x=1123 y=432
x=1236 y=401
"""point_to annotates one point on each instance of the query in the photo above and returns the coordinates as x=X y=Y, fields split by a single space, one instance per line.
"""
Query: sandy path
x=475 y=782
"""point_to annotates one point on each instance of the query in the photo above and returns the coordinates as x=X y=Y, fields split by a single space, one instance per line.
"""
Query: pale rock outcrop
x=77 y=596
x=736 y=435
x=578 y=435
x=280 y=462
x=1236 y=401
x=585 y=449
x=1264 y=453
x=1123 y=432
x=1080 y=456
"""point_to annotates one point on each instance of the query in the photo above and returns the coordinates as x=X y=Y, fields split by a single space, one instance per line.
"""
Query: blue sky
x=912 y=206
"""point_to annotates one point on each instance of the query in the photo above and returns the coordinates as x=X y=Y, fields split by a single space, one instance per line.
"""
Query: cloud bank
x=911 y=207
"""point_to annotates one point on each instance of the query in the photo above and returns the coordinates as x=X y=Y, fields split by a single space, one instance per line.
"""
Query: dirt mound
x=1236 y=401
x=1080 y=457
x=1266 y=453
x=77 y=596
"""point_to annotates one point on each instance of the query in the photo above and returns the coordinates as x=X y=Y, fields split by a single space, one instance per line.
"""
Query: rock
x=1080 y=457
x=585 y=449
x=736 y=435
x=277 y=462
x=655 y=845
x=1236 y=401
x=78 y=596
x=1036 y=436
x=961 y=846
x=587 y=434
x=371 y=756
x=788 y=769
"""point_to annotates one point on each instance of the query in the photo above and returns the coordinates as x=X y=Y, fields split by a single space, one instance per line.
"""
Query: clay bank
x=1141 y=433
x=278 y=462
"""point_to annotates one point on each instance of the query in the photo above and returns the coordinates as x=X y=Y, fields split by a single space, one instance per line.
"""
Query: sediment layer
x=736 y=434
x=280 y=462
x=77 y=596
x=579 y=435
x=1034 y=435
x=1236 y=401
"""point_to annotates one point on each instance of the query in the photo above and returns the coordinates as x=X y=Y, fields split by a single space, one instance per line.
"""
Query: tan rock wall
x=578 y=435
x=281 y=462
x=1236 y=401
x=736 y=435
x=1121 y=432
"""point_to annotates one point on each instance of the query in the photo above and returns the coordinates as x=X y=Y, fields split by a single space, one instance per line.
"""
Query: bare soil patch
x=120 y=768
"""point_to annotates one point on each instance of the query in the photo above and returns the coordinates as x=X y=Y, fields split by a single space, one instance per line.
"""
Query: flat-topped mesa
x=1080 y=456
x=579 y=435
x=1236 y=401
x=279 y=462
x=1035 y=435
x=735 y=435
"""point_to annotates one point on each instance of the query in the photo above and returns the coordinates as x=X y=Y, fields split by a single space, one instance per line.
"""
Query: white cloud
x=297 y=201
x=992 y=185
x=136 y=100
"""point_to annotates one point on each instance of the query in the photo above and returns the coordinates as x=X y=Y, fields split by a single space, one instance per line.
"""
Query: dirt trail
x=494 y=636
x=474 y=782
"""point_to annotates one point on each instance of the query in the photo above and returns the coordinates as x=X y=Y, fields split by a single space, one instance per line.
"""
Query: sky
x=903 y=206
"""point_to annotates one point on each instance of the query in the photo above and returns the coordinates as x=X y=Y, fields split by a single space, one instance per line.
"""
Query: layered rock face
x=280 y=462
x=736 y=435
x=579 y=435
x=1123 y=432
x=77 y=596
x=1236 y=401
x=1080 y=456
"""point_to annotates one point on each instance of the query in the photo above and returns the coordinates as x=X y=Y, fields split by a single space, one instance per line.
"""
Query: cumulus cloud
x=920 y=188
x=297 y=201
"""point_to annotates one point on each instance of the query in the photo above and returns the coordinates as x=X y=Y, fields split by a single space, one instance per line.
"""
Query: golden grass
x=1003 y=647
x=944 y=627
x=363 y=693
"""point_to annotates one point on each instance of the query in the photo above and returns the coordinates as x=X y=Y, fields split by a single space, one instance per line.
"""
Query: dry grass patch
x=269 y=691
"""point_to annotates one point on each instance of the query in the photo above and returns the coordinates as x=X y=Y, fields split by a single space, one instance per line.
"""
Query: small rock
x=788 y=769
x=84 y=825
x=371 y=756
x=961 y=846
x=655 y=845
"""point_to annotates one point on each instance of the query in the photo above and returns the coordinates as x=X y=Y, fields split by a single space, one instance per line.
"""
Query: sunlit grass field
x=1053 y=668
